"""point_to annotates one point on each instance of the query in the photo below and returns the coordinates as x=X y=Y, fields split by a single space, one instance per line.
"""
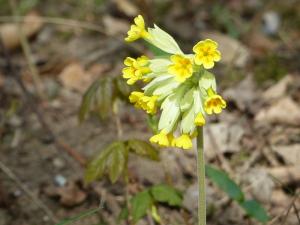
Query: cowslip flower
x=137 y=30
x=135 y=69
x=206 y=53
x=180 y=89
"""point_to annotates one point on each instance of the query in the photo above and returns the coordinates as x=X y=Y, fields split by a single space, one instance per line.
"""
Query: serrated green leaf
x=87 y=101
x=225 y=183
x=104 y=97
x=116 y=163
x=140 y=203
x=78 y=217
x=99 y=165
x=255 y=210
x=143 y=148
x=166 y=194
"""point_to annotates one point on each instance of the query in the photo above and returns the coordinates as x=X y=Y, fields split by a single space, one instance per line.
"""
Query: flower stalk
x=201 y=178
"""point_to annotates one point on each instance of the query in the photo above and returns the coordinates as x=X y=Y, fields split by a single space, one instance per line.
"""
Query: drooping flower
x=182 y=67
x=136 y=69
x=214 y=103
x=162 y=139
x=137 y=30
x=206 y=53
x=184 y=141
x=149 y=104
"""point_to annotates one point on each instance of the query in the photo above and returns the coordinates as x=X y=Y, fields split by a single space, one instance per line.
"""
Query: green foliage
x=113 y=159
x=251 y=207
x=152 y=122
x=78 y=217
x=146 y=200
x=100 y=97
x=225 y=183
x=140 y=203
x=166 y=194
x=255 y=210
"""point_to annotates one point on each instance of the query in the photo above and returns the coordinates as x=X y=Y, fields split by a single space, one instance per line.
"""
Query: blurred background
x=53 y=51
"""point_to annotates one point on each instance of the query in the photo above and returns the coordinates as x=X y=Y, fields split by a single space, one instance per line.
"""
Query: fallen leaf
x=285 y=174
x=74 y=77
x=10 y=32
x=285 y=111
x=225 y=136
x=289 y=153
x=233 y=51
x=279 y=89
x=70 y=195
x=244 y=94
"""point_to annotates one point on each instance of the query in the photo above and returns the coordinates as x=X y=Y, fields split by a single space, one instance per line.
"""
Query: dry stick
x=296 y=212
x=27 y=53
x=32 y=196
x=60 y=145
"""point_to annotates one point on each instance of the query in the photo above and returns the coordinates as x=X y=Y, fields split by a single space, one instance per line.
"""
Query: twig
x=27 y=53
x=60 y=145
x=296 y=212
x=39 y=203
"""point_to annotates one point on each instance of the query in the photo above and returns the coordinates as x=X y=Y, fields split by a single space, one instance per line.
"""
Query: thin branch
x=31 y=195
x=28 y=53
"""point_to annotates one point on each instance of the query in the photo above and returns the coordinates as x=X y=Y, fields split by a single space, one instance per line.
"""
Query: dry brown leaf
x=233 y=51
x=69 y=195
x=289 y=153
x=279 y=89
x=285 y=111
x=74 y=77
x=285 y=174
x=10 y=32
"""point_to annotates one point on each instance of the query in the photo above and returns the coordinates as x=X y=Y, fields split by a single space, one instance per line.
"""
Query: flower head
x=214 y=103
x=179 y=88
x=137 y=30
x=182 y=67
x=184 y=141
x=206 y=53
x=135 y=69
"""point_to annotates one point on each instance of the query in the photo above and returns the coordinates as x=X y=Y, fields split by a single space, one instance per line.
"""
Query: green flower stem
x=201 y=179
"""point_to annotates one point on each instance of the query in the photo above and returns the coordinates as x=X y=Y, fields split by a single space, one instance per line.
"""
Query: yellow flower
x=206 y=53
x=135 y=97
x=163 y=139
x=149 y=104
x=184 y=141
x=182 y=67
x=137 y=30
x=214 y=103
x=199 y=120
x=135 y=69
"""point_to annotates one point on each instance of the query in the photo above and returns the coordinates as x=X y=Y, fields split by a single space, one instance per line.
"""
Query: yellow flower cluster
x=179 y=84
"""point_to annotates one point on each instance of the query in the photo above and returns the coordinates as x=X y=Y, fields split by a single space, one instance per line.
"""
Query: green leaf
x=156 y=51
x=140 y=203
x=166 y=194
x=122 y=87
x=87 y=101
x=123 y=215
x=255 y=210
x=78 y=217
x=143 y=148
x=107 y=159
x=116 y=162
x=225 y=183
x=104 y=97
x=152 y=122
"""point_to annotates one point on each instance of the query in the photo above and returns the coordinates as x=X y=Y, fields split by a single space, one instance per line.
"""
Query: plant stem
x=201 y=179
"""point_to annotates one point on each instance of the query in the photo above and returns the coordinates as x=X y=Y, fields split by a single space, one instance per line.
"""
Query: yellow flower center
x=214 y=104
x=182 y=67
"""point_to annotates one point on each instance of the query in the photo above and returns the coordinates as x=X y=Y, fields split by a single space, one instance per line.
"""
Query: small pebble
x=60 y=180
